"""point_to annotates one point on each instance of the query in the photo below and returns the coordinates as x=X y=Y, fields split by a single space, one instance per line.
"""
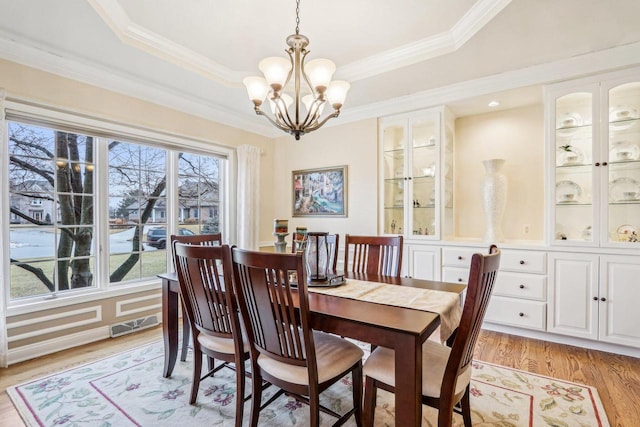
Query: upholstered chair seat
x=381 y=366
x=220 y=344
x=334 y=356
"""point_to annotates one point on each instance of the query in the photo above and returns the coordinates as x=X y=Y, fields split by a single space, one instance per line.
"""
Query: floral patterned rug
x=128 y=390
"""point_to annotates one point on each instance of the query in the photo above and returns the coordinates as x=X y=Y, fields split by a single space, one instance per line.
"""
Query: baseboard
x=42 y=348
x=561 y=339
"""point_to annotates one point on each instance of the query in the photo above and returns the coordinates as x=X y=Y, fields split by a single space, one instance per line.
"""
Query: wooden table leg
x=408 y=381
x=169 y=327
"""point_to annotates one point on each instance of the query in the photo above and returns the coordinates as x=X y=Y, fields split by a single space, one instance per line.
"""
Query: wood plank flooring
x=616 y=377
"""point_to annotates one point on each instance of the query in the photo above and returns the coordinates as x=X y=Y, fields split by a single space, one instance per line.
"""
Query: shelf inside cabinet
x=396 y=153
x=623 y=124
x=567 y=204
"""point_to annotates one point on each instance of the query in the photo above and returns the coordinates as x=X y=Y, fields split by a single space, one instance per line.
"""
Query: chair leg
x=369 y=410
x=256 y=394
x=186 y=333
x=197 y=371
x=211 y=363
x=314 y=409
x=240 y=383
x=466 y=408
x=356 y=380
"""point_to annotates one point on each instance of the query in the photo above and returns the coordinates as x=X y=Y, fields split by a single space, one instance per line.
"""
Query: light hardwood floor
x=617 y=378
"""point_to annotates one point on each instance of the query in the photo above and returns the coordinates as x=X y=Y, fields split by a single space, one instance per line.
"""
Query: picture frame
x=319 y=192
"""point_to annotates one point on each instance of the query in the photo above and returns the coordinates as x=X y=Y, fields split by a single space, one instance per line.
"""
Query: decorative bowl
x=624 y=151
x=567 y=192
x=624 y=189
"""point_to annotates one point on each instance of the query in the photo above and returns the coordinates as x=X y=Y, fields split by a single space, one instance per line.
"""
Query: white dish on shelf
x=569 y=120
x=624 y=151
x=569 y=156
x=568 y=192
x=622 y=117
x=624 y=189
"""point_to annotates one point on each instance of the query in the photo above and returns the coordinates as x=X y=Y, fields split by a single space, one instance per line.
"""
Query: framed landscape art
x=320 y=192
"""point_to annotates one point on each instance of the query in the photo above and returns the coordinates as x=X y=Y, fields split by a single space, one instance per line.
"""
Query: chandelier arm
x=273 y=122
x=320 y=124
x=304 y=73
x=312 y=114
x=283 y=114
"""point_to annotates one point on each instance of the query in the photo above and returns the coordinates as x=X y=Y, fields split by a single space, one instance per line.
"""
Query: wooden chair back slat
x=274 y=324
x=380 y=255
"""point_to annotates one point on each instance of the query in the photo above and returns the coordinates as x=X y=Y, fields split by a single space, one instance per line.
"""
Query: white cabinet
x=416 y=173
x=520 y=293
x=594 y=163
x=423 y=262
x=595 y=297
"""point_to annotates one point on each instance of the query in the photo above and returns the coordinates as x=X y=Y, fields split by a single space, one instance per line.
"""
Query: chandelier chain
x=297 y=16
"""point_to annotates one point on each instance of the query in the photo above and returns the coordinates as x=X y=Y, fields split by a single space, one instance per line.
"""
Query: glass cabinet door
x=394 y=177
x=574 y=171
x=622 y=184
x=423 y=175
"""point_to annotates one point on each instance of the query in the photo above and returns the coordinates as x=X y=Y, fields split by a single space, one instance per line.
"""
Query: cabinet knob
x=597 y=164
x=521 y=262
x=409 y=178
x=521 y=314
x=604 y=163
x=603 y=299
x=405 y=178
x=521 y=286
x=459 y=279
x=459 y=257
x=595 y=298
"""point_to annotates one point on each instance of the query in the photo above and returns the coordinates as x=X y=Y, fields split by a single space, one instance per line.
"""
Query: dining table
x=400 y=328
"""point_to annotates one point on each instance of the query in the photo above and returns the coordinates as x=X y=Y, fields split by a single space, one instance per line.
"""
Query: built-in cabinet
x=582 y=280
x=415 y=170
x=595 y=297
x=594 y=135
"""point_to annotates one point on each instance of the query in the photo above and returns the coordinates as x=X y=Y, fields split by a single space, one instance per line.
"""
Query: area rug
x=128 y=390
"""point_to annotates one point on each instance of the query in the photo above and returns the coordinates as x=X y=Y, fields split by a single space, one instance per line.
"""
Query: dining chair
x=333 y=241
x=284 y=350
x=213 y=314
x=381 y=255
x=213 y=239
x=446 y=373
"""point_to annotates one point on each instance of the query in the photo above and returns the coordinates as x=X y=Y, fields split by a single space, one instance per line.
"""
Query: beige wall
x=516 y=135
x=352 y=144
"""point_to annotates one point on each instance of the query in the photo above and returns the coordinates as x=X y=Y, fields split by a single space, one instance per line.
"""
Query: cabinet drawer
x=455 y=274
x=510 y=311
x=455 y=257
x=523 y=261
x=520 y=285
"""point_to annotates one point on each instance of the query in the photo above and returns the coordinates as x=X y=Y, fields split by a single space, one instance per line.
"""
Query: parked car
x=157 y=237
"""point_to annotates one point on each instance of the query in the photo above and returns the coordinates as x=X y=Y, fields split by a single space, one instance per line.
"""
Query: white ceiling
x=192 y=55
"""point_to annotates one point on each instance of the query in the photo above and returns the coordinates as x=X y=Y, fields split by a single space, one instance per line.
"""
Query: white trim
x=120 y=312
x=96 y=310
x=133 y=34
x=562 y=339
x=42 y=348
x=4 y=232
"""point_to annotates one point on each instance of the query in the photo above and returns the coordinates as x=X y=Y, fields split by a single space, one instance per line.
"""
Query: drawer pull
x=459 y=279
x=521 y=286
x=459 y=257
x=521 y=262
x=521 y=314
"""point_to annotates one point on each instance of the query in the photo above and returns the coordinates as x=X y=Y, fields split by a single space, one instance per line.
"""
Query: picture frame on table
x=319 y=192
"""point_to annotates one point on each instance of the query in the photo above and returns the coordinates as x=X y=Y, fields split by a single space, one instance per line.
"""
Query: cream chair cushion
x=381 y=366
x=334 y=355
x=219 y=344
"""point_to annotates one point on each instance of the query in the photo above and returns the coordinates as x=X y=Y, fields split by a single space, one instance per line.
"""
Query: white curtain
x=4 y=176
x=248 y=197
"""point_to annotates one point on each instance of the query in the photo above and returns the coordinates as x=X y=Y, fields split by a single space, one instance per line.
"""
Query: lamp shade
x=320 y=72
x=257 y=89
x=337 y=93
x=307 y=100
x=275 y=70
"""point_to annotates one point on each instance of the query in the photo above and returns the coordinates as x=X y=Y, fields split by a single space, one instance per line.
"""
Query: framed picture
x=320 y=192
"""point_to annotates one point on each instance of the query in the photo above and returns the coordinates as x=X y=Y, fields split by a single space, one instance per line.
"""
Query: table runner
x=446 y=304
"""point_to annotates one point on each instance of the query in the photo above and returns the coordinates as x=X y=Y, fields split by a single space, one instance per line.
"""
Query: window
x=57 y=217
x=51 y=247
x=137 y=199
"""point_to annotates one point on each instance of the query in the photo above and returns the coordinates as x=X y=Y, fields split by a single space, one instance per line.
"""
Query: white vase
x=494 y=199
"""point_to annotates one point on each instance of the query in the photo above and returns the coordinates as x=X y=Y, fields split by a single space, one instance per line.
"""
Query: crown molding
x=141 y=38
x=128 y=85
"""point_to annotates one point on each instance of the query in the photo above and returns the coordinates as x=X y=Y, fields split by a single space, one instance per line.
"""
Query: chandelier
x=300 y=112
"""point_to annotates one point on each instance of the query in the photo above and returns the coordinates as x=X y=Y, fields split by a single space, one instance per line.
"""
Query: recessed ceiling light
x=493 y=104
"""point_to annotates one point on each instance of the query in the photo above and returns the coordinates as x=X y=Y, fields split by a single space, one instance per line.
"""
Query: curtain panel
x=248 y=197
